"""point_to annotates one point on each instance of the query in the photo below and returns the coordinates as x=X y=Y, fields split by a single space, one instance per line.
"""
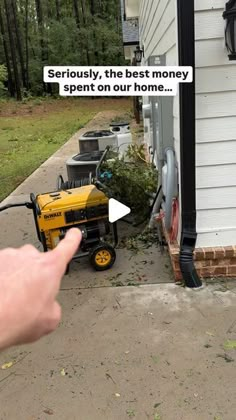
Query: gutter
x=130 y=44
x=186 y=41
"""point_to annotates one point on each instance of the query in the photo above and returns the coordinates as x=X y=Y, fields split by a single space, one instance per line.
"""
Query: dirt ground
x=150 y=351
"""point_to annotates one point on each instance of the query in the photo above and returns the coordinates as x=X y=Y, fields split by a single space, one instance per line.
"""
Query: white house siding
x=216 y=129
x=132 y=8
x=216 y=112
x=158 y=35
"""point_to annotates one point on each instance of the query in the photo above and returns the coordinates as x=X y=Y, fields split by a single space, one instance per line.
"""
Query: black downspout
x=186 y=40
x=124 y=15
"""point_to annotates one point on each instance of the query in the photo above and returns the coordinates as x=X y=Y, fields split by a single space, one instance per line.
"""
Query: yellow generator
x=85 y=208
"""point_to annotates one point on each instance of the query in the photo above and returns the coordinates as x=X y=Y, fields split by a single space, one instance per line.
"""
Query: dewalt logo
x=52 y=216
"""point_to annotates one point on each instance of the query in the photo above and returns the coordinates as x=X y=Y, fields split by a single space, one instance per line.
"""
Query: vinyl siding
x=215 y=111
x=216 y=129
x=157 y=26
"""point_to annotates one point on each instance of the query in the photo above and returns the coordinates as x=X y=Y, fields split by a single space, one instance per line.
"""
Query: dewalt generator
x=84 y=207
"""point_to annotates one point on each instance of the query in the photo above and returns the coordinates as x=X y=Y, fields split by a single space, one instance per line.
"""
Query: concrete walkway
x=155 y=352
x=128 y=352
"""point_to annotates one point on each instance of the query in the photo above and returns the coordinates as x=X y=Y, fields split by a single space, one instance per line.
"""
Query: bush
x=133 y=182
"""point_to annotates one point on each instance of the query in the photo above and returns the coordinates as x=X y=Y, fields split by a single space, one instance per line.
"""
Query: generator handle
x=35 y=205
x=101 y=161
x=60 y=182
x=102 y=187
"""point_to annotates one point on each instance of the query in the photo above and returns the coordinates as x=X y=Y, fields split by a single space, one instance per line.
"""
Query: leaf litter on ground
x=155 y=359
x=140 y=242
x=211 y=334
x=49 y=411
x=7 y=365
x=226 y=357
x=130 y=413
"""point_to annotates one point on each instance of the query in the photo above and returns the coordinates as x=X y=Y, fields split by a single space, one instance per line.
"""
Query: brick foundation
x=209 y=262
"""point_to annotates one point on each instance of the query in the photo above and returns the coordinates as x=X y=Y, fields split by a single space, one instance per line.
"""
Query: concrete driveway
x=156 y=351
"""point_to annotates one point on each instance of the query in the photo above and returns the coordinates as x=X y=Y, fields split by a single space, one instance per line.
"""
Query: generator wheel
x=102 y=257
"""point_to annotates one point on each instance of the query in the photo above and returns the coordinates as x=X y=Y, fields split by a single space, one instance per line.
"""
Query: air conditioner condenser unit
x=93 y=141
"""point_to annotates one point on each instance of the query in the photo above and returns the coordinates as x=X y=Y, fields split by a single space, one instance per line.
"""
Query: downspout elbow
x=186 y=261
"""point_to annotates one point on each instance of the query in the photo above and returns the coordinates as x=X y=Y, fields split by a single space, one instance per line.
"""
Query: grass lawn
x=31 y=132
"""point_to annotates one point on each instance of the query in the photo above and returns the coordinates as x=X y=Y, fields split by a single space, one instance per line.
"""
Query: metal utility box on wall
x=163 y=112
x=147 y=115
x=162 y=130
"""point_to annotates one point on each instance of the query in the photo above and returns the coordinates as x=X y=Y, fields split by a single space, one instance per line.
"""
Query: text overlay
x=118 y=81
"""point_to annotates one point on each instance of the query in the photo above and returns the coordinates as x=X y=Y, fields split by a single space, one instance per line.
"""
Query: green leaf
x=130 y=413
x=155 y=359
x=230 y=345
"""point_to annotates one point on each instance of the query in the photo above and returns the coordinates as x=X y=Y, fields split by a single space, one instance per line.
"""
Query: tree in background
x=12 y=47
x=35 y=33
x=6 y=54
x=3 y=78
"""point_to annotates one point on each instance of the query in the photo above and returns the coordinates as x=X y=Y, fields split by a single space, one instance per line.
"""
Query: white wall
x=216 y=129
x=216 y=111
x=158 y=28
x=132 y=8
x=129 y=52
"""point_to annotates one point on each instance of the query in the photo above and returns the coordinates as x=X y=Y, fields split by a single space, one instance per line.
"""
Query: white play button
x=117 y=210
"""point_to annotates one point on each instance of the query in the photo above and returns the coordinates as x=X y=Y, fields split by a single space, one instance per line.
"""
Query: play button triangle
x=117 y=210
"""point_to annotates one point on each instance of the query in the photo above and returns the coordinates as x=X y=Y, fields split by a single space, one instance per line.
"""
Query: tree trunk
x=76 y=9
x=58 y=10
x=40 y=26
x=18 y=42
x=13 y=51
x=30 y=43
x=119 y=31
x=84 y=14
x=39 y=13
x=83 y=21
x=83 y=7
x=92 y=7
x=103 y=53
x=50 y=17
x=27 y=43
x=11 y=87
x=50 y=13
x=94 y=51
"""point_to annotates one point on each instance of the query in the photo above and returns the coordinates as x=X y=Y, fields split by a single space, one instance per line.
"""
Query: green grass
x=30 y=134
